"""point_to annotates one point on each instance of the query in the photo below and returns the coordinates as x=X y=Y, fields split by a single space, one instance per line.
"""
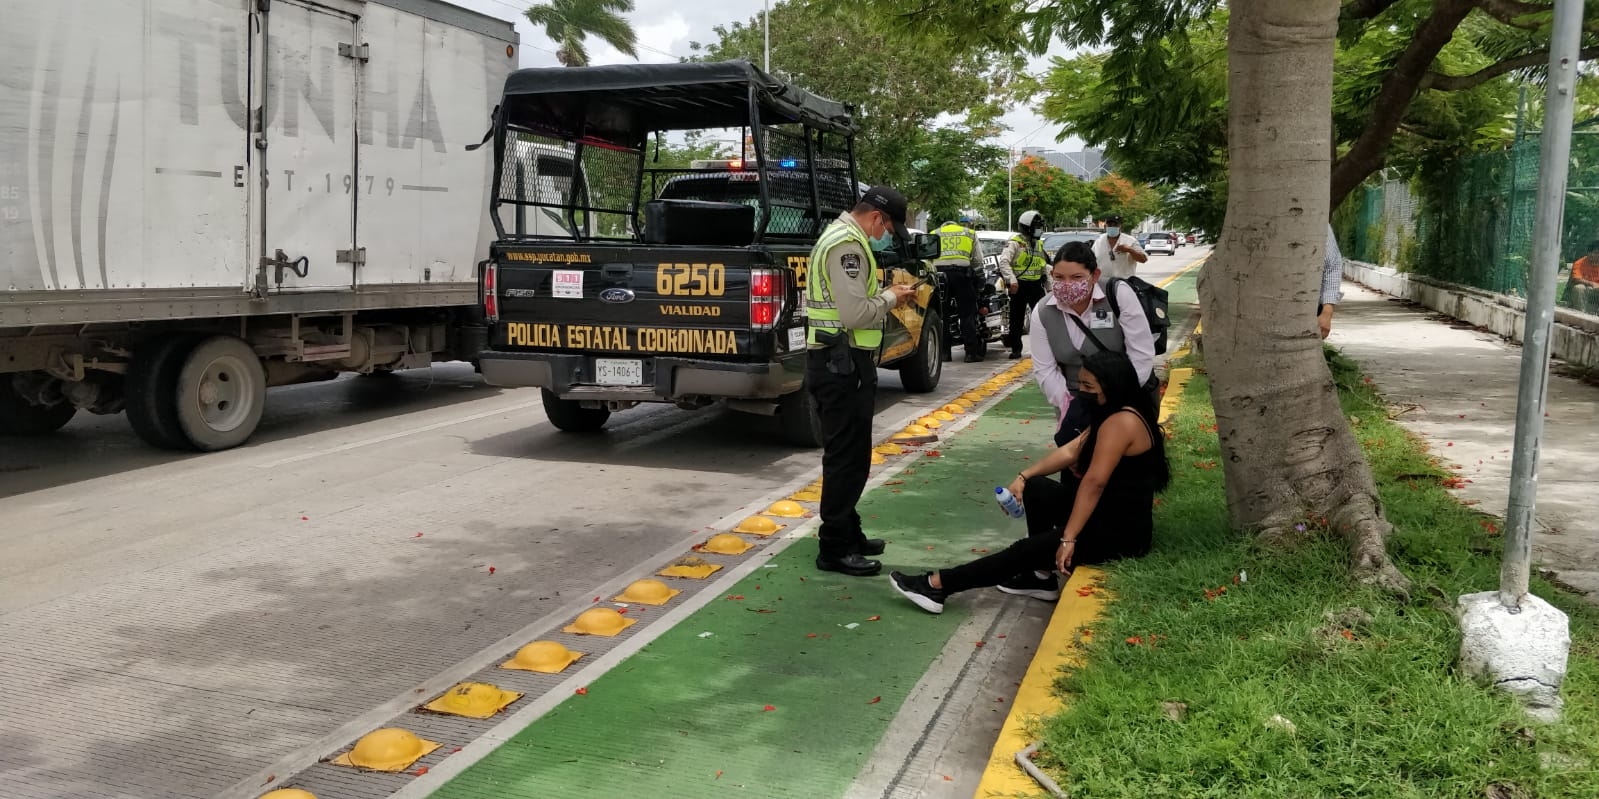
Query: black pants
x=1116 y=529
x=845 y=404
x=1028 y=292
x=963 y=290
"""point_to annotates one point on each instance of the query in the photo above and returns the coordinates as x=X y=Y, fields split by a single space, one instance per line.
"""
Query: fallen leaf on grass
x=933 y=453
x=979 y=550
x=735 y=597
x=875 y=618
x=1347 y=634
x=875 y=700
x=768 y=708
x=718 y=774
x=894 y=482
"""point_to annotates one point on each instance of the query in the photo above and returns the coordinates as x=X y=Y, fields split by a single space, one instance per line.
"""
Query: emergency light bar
x=736 y=164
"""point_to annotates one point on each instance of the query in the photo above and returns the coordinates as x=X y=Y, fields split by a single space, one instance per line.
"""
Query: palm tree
x=569 y=22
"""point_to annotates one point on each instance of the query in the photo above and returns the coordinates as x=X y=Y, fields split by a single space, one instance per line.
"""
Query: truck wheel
x=571 y=416
x=221 y=391
x=921 y=371
x=20 y=417
x=802 y=425
x=152 y=391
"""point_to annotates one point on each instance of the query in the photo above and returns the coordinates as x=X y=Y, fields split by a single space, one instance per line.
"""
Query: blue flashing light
x=788 y=163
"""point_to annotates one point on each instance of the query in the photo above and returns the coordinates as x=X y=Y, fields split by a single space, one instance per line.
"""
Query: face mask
x=1113 y=231
x=1071 y=292
x=883 y=243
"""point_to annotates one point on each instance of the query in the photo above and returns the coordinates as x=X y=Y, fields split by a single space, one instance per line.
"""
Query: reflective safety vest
x=822 y=311
x=1029 y=263
x=955 y=245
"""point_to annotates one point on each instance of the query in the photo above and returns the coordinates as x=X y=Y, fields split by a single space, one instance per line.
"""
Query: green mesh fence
x=1472 y=222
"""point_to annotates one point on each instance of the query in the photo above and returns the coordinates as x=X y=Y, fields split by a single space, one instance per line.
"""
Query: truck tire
x=152 y=390
x=221 y=391
x=922 y=370
x=571 y=416
x=19 y=417
x=802 y=425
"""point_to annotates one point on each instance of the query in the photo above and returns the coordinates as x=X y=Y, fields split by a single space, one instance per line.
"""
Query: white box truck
x=200 y=199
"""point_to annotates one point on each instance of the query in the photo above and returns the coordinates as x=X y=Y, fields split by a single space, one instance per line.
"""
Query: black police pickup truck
x=613 y=282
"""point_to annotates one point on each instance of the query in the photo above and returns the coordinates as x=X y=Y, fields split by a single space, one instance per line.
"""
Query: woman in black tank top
x=1101 y=509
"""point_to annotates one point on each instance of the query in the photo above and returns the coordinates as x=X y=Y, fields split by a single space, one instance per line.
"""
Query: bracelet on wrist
x=1071 y=541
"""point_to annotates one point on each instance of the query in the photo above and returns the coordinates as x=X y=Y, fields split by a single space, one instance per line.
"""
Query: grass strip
x=1227 y=669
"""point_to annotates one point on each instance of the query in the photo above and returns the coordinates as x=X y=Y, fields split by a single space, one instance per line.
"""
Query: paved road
x=170 y=624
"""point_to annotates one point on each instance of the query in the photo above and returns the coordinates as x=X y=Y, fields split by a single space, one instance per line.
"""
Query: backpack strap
x=1113 y=284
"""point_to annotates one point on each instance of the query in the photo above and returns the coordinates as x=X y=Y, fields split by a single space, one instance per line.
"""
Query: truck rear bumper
x=668 y=379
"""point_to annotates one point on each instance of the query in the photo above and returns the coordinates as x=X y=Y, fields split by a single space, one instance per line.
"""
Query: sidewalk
x=1456 y=388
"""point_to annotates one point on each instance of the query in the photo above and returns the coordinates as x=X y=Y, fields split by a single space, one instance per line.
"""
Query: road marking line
x=305 y=456
x=1172 y=278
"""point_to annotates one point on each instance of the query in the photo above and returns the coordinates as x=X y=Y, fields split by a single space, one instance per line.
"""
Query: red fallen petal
x=456 y=749
x=418 y=535
x=874 y=618
x=1001 y=635
x=596 y=599
x=718 y=774
x=933 y=453
x=735 y=597
x=582 y=692
x=1085 y=591
x=980 y=644
x=1450 y=444
x=999 y=699
x=875 y=700
x=420 y=771
x=810 y=635
x=948 y=778
x=491 y=570
x=757 y=588
x=768 y=709
x=305 y=518
x=621 y=610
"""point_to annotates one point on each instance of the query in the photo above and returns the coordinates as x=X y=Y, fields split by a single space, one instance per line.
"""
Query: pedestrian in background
x=1118 y=255
x=1101 y=508
x=1024 y=259
x=846 y=311
x=1080 y=318
x=1332 y=281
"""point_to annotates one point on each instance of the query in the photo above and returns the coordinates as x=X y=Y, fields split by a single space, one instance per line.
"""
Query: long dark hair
x=1119 y=383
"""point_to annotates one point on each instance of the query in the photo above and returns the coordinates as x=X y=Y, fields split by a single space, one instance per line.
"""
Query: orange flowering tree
x=1036 y=184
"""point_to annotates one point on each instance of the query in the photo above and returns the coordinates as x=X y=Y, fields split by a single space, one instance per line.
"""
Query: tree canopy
x=899 y=90
x=1038 y=185
x=569 y=23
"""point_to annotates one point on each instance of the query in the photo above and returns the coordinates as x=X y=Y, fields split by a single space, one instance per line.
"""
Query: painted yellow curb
x=1036 y=697
x=1172 y=278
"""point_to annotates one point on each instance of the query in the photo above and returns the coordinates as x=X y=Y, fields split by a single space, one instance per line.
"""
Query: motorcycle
x=993 y=306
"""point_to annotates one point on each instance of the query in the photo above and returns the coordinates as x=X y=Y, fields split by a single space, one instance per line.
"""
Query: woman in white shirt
x=1079 y=317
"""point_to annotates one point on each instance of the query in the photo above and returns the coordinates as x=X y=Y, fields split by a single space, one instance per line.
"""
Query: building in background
x=1086 y=164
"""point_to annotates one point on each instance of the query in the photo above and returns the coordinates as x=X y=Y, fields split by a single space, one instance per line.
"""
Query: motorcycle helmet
x=1030 y=223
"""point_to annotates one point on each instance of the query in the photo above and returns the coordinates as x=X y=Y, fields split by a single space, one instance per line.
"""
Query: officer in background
x=960 y=260
x=847 y=308
x=1024 y=258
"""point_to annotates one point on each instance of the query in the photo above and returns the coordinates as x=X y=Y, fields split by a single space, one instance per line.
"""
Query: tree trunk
x=1288 y=452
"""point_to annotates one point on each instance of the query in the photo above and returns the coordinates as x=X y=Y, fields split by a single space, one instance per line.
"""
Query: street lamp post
x=1010 y=184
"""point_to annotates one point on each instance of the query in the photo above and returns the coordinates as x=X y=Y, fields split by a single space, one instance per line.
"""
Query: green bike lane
x=785 y=683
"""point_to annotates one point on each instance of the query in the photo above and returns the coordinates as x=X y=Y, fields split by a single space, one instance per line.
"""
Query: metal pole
x=1553 y=165
x=766 y=33
x=1010 y=183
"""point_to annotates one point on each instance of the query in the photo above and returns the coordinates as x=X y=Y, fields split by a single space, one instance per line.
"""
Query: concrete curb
x=1081 y=603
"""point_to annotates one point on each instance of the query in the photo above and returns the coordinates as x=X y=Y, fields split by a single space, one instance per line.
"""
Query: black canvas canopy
x=621 y=104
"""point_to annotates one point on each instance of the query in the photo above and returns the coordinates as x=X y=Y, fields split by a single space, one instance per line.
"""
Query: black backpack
x=1153 y=298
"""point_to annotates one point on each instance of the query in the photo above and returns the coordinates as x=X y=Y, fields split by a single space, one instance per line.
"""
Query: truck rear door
x=628 y=301
x=308 y=161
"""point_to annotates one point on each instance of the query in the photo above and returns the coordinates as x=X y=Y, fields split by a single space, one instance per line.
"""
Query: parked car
x=1164 y=243
x=1055 y=240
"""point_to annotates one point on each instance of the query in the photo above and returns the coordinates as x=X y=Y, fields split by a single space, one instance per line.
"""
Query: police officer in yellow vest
x=1024 y=256
x=961 y=262
x=847 y=307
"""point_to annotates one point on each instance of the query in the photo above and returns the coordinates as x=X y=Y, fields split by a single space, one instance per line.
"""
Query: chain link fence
x=1471 y=222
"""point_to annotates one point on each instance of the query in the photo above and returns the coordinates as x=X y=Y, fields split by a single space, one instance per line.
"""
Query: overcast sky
x=665 y=28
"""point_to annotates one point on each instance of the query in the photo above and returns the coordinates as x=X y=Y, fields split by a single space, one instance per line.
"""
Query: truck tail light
x=491 y=298
x=767 y=290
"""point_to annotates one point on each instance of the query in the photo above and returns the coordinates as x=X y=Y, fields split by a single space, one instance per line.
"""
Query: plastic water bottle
x=1009 y=502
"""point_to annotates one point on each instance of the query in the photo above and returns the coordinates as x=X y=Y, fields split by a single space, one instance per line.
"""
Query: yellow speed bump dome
x=757 y=525
x=787 y=508
x=726 y=544
x=604 y=622
x=474 y=700
x=691 y=568
x=971 y=398
x=805 y=495
x=544 y=657
x=288 y=793
x=954 y=407
x=388 y=749
x=930 y=422
x=889 y=449
x=878 y=459
x=648 y=591
x=944 y=416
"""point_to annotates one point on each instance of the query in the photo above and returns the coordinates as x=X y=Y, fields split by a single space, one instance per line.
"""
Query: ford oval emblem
x=616 y=295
